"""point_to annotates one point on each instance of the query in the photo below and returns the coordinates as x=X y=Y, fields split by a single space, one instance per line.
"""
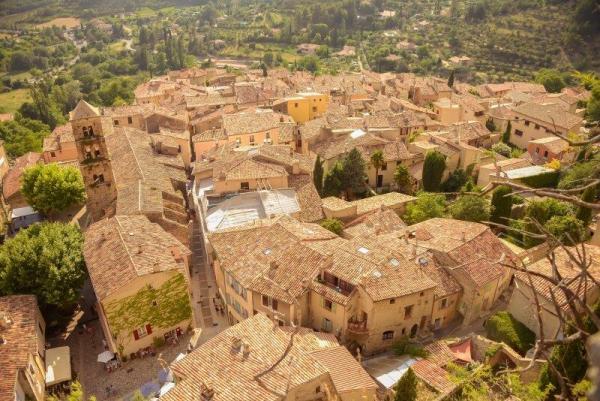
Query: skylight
x=357 y=133
x=363 y=250
x=395 y=262
x=267 y=251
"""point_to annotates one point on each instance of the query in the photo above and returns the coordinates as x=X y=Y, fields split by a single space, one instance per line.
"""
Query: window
x=545 y=153
x=537 y=150
x=274 y=304
x=268 y=135
x=52 y=154
x=129 y=120
x=403 y=331
x=408 y=311
x=245 y=186
x=251 y=139
x=296 y=105
x=421 y=294
x=527 y=123
x=265 y=300
x=537 y=126
x=101 y=178
x=116 y=122
x=142 y=332
x=444 y=303
x=327 y=304
x=518 y=132
x=392 y=301
x=314 y=109
x=318 y=389
x=97 y=152
x=388 y=335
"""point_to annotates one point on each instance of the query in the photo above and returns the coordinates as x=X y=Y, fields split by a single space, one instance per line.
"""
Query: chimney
x=245 y=350
x=236 y=345
x=206 y=393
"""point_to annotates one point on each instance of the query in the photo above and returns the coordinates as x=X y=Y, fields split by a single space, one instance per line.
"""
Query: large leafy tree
x=318 y=175
x=377 y=162
x=583 y=213
x=406 y=388
x=567 y=229
x=470 y=208
x=501 y=205
x=552 y=80
x=433 y=170
x=45 y=260
x=427 y=206
x=51 y=188
x=23 y=135
x=353 y=177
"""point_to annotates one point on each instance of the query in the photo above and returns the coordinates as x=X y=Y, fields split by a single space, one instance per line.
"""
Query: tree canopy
x=403 y=179
x=353 y=167
x=501 y=205
x=318 y=175
x=50 y=188
x=406 y=388
x=45 y=260
x=470 y=208
x=427 y=206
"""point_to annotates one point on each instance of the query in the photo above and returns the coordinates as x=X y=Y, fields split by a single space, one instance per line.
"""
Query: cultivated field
x=68 y=22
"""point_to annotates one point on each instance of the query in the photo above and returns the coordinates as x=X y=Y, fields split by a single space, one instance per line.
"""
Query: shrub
x=333 y=225
x=433 y=170
x=404 y=347
x=544 y=180
x=505 y=328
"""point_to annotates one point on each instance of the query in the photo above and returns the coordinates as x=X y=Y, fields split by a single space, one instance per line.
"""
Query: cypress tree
x=318 y=175
x=501 y=205
x=584 y=213
x=451 y=79
x=433 y=170
x=506 y=134
x=406 y=388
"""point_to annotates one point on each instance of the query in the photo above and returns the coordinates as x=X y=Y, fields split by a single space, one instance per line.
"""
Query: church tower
x=89 y=130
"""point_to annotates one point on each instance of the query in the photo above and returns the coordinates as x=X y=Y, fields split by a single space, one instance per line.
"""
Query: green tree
x=332 y=184
x=427 y=206
x=75 y=394
x=507 y=132
x=584 y=213
x=433 y=170
x=502 y=149
x=23 y=135
x=377 y=162
x=268 y=59
x=451 y=79
x=456 y=180
x=541 y=211
x=567 y=229
x=552 y=80
x=502 y=326
x=353 y=178
x=318 y=175
x=45 y=260
x=403 y=179
x=470 y=208
x=333 y=225
x=501 y=205
x=490 y=124
x=593 y=104
x=50 y=188
x=406 y=388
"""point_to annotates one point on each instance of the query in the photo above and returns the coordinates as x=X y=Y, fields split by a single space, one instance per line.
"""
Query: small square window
x=245 y=186
x=265 y=300
x=392 y=301
x=52 y=154
x=129 y=120
x=388 y=335
x=327 y=304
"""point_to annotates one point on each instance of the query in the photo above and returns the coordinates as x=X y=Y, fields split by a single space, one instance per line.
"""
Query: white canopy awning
x=58 y=365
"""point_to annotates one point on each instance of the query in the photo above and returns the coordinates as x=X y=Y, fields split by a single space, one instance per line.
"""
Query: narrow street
x=204 y=289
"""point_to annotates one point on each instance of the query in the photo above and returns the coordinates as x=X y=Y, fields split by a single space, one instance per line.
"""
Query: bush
x=404 y=347
x=333 y=225
x=505 y=328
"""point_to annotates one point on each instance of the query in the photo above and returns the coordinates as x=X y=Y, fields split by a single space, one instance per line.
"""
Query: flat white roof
x=527 y=172
x=250 y=206
x=22 y=211
x=388 y=369
x=58 y=365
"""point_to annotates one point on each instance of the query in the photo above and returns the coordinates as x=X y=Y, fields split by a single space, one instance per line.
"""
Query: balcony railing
x=356 y=326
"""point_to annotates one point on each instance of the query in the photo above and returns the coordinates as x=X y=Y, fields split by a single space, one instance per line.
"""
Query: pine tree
x=406 y=388
x=583 y=213
x=451 y=79
x=501 y=205
x=318 y=175
x=332 y=184
x=506 y=134
x=433 y=170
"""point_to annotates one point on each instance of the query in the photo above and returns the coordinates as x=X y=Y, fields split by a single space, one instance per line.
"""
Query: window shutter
x=148 y=329
x=136 y=336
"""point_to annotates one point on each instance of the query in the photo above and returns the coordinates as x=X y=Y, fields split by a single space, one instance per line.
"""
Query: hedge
x=543 y=180
x=504 y=327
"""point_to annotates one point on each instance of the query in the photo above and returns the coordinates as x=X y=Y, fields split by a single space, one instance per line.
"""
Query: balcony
x=357 y=327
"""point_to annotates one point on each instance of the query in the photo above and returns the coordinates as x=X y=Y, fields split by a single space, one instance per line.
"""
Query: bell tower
x=89 y=130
